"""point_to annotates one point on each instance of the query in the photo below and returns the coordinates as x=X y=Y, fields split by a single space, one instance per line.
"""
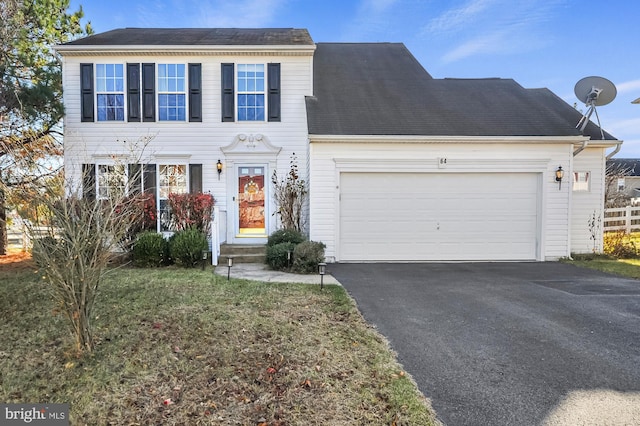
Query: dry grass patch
x=187 y=347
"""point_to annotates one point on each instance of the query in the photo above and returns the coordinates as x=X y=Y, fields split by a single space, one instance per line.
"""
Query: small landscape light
x=229 y=265
x=322 y=269
x=559 y=176
x=289 y=253
x=204 y=258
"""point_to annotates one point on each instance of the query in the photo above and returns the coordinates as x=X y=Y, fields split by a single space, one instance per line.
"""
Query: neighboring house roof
x=381 y=89
x=197 y=37
x=624 y=166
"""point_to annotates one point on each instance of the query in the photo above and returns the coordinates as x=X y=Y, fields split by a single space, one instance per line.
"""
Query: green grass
x=624 y=267
x=237 y=352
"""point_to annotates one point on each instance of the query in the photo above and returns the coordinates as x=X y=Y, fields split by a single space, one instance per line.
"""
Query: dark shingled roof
x=197 y=37
x=381 y=89
x=624 y=166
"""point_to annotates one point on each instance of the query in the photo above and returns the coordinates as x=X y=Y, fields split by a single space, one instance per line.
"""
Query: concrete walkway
x=260 y=272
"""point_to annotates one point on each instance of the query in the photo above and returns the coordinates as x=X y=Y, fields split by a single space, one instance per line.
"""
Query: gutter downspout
x=579 y=150
x=614 y=152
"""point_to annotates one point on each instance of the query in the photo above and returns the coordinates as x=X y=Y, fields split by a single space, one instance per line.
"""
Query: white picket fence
x=622 y=219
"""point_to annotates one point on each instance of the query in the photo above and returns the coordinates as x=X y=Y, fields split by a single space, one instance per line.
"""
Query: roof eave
x=459 y=139
x=89 y=50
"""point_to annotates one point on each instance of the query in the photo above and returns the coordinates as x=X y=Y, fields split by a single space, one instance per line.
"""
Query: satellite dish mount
x=593 y=92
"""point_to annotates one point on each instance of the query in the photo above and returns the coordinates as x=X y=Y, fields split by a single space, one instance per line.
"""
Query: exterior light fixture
x=229 y=265
x=322 y=269
x=559 y=176
x=219 y=168
x=204 y=258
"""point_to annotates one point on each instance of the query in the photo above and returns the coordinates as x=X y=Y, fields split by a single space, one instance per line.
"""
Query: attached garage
x=439 y=216
x=407 y=167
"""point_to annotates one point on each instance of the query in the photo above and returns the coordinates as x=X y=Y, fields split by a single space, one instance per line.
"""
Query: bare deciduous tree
x=290 y=193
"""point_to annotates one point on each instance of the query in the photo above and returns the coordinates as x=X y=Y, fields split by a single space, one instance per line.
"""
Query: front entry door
x=251 y=202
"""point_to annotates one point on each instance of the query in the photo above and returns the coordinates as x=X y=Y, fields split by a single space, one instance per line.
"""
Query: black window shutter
x=134 y=179
x=133 y=92
x=89 y=181
x=148 y=92
x=149 y=179
x=273 y=103
x=86 y=92
x=228 y=104
x=195 y=92
x=195 y=178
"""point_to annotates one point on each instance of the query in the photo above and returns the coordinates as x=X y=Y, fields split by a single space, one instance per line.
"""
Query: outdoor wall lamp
x=559 y=176
x=229 y=265
x=322 y=269
x=219 y=168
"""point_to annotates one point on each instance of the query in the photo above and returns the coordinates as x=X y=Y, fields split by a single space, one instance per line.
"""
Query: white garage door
x=438 y=216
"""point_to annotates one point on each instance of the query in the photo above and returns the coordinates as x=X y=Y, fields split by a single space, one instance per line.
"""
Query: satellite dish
x=594 y=91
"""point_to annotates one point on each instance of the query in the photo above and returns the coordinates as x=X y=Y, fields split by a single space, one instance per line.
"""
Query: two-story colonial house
x=400 y=166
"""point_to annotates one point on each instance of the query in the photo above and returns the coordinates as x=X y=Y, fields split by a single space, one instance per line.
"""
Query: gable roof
x=197 y=37
x=381 y=89
x=623 y=166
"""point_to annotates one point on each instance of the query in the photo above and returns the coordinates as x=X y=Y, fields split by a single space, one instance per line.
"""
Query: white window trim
x=581 y=186
x=97 y=178
x=264 y=92
x=124 y=91
x=159 y=198
x=185 y=93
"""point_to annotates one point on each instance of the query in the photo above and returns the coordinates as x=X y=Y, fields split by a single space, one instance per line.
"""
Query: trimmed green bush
x=285 y=236
x=276 y=256
x=150 y=249
x=186 y=247
x=307 y=255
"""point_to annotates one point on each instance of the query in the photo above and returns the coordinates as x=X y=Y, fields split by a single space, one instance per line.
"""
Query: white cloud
x=453 y=19
x=492 y=27
x=629 y=86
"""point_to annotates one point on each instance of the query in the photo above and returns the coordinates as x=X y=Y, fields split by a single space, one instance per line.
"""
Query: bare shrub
x=74 y=254
x=290 y=193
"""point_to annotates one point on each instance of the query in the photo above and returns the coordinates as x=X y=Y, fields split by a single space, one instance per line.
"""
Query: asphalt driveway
x=507 y=343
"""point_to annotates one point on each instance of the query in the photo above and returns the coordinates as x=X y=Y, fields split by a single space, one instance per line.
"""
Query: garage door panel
x=431 y=216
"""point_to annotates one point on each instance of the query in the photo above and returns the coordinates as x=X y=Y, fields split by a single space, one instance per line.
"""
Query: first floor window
x=110 y=92
x=620 y=184
x=172 y=179
x=111 y=181
x=580 y=181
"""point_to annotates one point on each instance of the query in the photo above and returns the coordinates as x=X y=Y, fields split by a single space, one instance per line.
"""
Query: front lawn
x=179 y=347
x=624 y=267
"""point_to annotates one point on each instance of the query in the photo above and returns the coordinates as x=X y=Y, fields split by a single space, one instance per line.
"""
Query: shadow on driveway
x=507 y=343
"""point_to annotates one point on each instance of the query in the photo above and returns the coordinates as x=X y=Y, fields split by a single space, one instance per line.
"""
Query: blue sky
x=538 y=43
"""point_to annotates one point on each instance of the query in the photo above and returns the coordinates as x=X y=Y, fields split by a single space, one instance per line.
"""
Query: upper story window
x=621 y=184
x=581 y=181
x=250 y=92
x=110 y=92
x=171 y=92
x=154 y=92
x=251 y=105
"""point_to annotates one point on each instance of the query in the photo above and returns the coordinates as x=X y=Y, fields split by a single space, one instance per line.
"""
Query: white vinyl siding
x=202 y=141
x=330 y=161
x=587 y=206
